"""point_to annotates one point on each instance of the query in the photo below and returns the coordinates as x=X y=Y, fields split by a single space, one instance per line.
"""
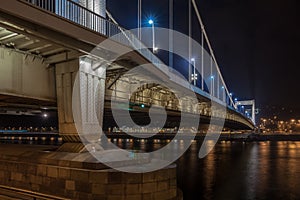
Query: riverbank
x=273 y=137
x=244 y=137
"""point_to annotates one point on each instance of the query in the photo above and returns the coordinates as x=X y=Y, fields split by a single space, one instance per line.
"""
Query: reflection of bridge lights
x=45 y=115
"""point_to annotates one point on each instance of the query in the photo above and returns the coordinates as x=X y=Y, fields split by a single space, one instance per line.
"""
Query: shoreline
x=251 y=137
x=246 y=137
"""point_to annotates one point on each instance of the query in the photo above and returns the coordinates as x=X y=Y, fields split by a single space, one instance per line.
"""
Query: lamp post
x=242 y=109
x=139 y=19
x=194 y=75
x=151 y=22
x=223 y=91
x=212 y=85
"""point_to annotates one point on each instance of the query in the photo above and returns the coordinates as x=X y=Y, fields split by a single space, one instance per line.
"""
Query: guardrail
x=78 y=14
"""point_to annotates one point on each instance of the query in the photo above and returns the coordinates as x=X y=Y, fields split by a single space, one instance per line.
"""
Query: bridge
x=50 y=59
x=41 y=55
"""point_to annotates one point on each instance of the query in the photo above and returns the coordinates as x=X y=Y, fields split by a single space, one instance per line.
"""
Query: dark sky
x=256 y=43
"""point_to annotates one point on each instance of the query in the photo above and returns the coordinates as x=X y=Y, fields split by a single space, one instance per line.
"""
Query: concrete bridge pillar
x=88 y=82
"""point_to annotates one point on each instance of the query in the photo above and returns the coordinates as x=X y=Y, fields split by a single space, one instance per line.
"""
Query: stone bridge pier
x=80 y=86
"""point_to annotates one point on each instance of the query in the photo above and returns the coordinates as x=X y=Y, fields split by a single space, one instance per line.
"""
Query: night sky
x=256 y=44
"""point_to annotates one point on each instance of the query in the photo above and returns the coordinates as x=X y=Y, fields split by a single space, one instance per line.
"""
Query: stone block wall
x=79 y=183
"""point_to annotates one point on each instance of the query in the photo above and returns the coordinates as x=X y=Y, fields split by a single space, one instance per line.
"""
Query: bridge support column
x=88 y=81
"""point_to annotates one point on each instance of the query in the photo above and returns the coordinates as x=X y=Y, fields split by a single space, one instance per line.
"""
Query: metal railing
x=80 y=15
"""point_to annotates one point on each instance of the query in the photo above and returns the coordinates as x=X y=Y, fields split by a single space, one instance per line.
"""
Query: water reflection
x=263 y=170
x=237 y=170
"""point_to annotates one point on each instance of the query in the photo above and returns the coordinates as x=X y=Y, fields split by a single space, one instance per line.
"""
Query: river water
x=238 y=170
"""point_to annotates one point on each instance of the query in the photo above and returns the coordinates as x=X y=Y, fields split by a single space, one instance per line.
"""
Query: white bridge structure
x=44 y=44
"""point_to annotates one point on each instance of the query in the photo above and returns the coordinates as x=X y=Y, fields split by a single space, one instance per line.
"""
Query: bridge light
x=154 y=48
x=222 y=87
x=212 y=77
x=142 y=106
x=150 y=21
x=230 y=94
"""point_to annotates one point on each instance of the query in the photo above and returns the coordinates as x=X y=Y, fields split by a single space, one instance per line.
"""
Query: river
x=239 y=171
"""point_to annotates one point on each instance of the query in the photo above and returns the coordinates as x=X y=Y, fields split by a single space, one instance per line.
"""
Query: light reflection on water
x=237 y=170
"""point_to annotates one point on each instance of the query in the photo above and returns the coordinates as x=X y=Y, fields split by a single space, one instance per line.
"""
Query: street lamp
x=151 y=22
x=194 y=75
x=242 y=109
x=212 y=85
x=223 y=91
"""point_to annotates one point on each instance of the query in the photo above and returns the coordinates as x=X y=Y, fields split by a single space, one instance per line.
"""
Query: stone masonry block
x=133 y=188
x=41 y=170
x=149 y=187
x=162 y=185
x=52 y=172
x=80 y=175
x=98 y=188
x=64 y=173
x=98 y=177
x=70 y=185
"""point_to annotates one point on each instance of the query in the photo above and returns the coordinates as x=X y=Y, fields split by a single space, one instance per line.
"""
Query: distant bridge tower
x=248 y=103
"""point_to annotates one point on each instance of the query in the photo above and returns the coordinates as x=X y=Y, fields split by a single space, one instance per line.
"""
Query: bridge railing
x=78 y=14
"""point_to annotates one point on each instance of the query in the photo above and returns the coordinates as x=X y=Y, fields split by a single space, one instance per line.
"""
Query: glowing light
x=151 y=21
